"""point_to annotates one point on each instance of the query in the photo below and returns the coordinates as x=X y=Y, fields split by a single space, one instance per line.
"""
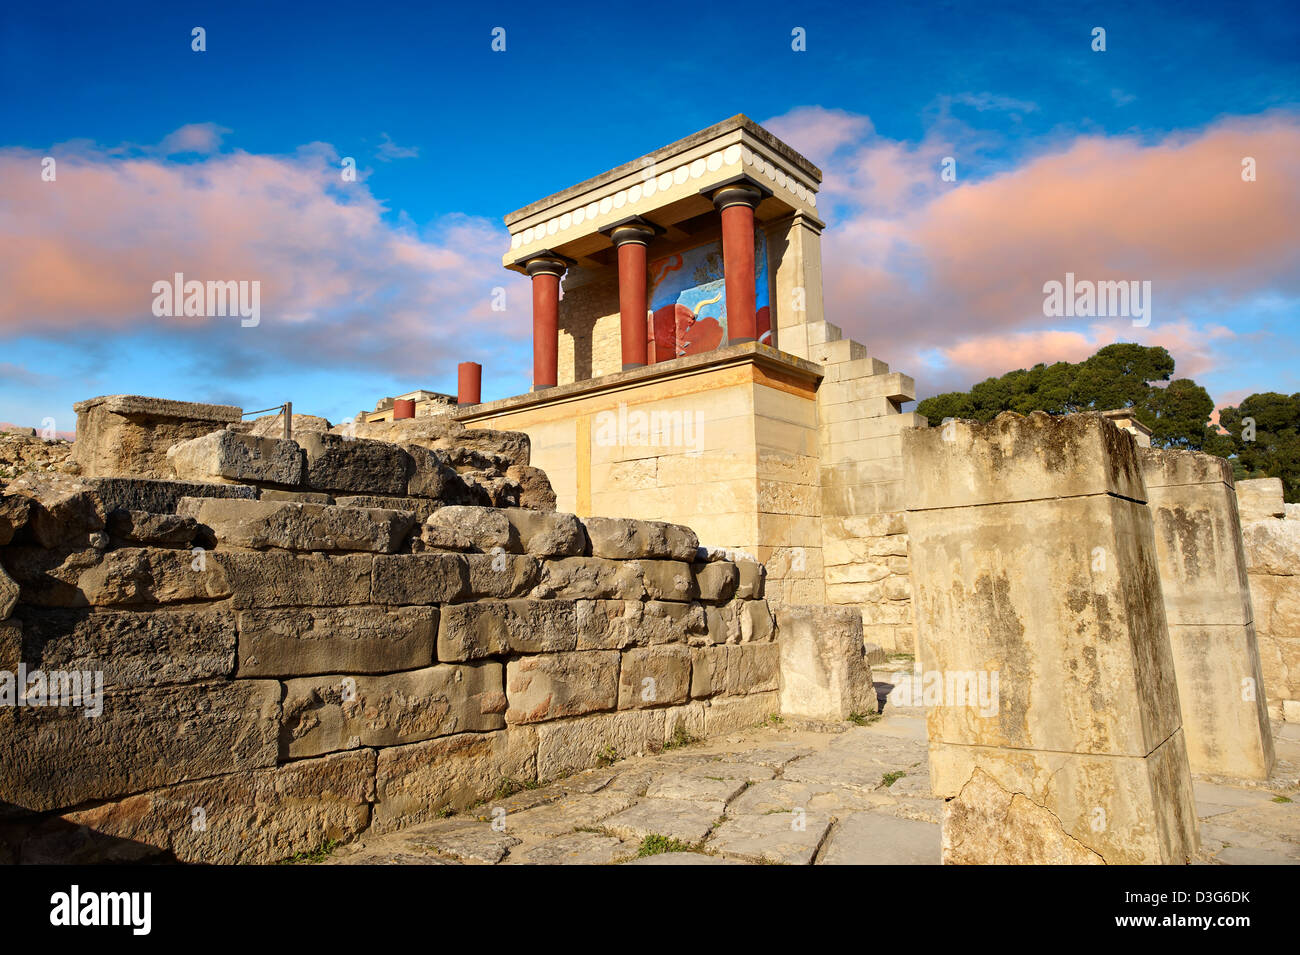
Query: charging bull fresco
x=688 y=300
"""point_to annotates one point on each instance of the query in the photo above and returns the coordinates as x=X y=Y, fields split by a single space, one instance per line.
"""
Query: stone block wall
x=278 y=673
x=1271 y=533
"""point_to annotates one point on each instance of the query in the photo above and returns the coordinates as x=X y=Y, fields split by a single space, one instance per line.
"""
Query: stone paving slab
x=472 y=840
x=782 y=838
x=868 y=838
x=784 y=795
x=577 y=848
x=584 y=811
x=687 y=822
x=701 y=790
x=683 y=858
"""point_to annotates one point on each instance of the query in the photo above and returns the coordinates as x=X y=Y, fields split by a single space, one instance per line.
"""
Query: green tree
x=1123 y=375
x=1263 y=439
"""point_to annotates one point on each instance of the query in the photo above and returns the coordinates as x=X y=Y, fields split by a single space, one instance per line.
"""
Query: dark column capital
x=546 y=265
x=739 y=194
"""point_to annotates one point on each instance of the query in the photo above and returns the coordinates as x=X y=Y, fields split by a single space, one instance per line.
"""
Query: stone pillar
x=1052 y=704
x=630 y=239
x=1211 y=622
x=545 y=272
x=469 y=383
x=736 y=206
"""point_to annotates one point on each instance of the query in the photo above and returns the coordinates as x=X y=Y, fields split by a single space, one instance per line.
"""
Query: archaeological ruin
x=227 y=639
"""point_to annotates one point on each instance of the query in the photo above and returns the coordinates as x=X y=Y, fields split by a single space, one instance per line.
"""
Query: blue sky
x=450 y=136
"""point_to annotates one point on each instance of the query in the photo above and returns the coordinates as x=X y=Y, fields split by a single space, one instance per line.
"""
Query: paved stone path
x=792 y=794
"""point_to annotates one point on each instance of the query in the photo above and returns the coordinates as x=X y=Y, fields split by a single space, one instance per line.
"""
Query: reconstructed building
x=684 y=370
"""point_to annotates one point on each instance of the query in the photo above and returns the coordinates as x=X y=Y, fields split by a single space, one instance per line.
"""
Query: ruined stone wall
x=279 y=670
x=1271 y=531
x=590 y=341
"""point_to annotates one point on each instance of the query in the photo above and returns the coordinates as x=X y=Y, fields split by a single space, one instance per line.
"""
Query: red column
x=546 y=272
x=630 y=240
x=403 y=408
x=736 y=206
x=469 y=383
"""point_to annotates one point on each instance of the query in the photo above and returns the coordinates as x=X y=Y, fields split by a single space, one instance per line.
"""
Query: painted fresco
x=688 y=300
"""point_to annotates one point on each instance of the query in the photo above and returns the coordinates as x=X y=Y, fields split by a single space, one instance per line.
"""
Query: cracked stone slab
x=743 y=771
x=588 y=781
x=697 y=788
x=840 y=769
x=687 y=822
x=579 y=848
x=473 y=841
x=916 y=782
x=783 y=795
x=922 y=810
x=785 y=838
x=389 y=857
x=774 y=757
x=576 y=812
x=871 y=838
x=683 y=858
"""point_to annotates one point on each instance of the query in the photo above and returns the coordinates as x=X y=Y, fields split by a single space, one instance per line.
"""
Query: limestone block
x=717 y=580
x=126 y=528
x=732 y=713
x=735 y=669
x=824 y=671
x=272 y=425
x=618 y=624
x=469 y=528
x=667 y=579
x=8 y=594
x=313 y=640
x=413 y=783
x=1260 y=499
x=654 y=676
x=249 y=818
x=444 y=433
x=404 y=579
x=430 y=475
x=225 y=456
x=152 y=575
x=547 y=533
x=338 y=463
x=1014 y=458
x=579 y=578
x=471 y=631
x=131 y=649
x=307 y=527
x=626 y=539
x=986 y=825
x=129 y=435
x=567 y=746
x=755 y=621
x=144 y=738
x=327 y=713
x=535 y=491
x=1272 y=547
x=549 y=686
x=501 y=575
x=1129 y=810
x=63 y=510
x=48 y=578
x=752 y=575
x=421 y=507
x=160 y=496
x=279 y=579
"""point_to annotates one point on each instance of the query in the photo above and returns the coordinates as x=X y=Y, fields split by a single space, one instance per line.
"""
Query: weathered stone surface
x=579 y=848
x=547 y=533
x=48 y=578
x=129 y=435
x=567 y=746
x=467 y=840
x=755 y=620
x=654 y=676
x=486 y=628
x=555 y=685
x=414 y=783
x=444 y=433
x=501 y=575
x=338 y=463
x=714 y=792
x=141 y=527
x=579 y=578
x=278 y=579
x=327 y=713
x=618 y=624
x=625 y=539
x=565 y=815
x=132 y=649
x=307 y=527
x=272 y=425
x=421 y=507
x=728 y=714
x=464 y=528
x=986 y=825
x=8 y=594
x=667 y=579
x=160 y=496
x=15 y=512
x=1015 y=458
x=244 y=818
x=687 y=822
x=717 y=581
x=63 y=509
x=226 y=455
x=150 y=575
x=401 y=579
x=683 y=858
x=314 y=640
x=535 y=491
x=777 y=839
x=431 y=476
x=1260 y=499
x=143 y=738
x=1272 y=547
x=872 y=838
x=752 y=576
x=736 y=669
x=824 y=671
